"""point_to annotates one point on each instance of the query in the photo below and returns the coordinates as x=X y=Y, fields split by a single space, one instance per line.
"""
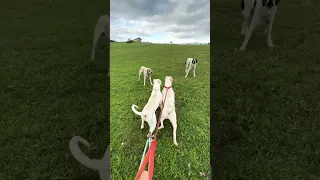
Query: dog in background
x=191 y=63
x=102 y=165
x=146 y=72
x=257 y=12
x=102 y=28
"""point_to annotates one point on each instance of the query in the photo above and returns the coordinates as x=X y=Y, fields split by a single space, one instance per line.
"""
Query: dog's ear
x=159 y=81
x=171 y=79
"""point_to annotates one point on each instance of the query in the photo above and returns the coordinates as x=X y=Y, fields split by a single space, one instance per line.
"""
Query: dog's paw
x=161 y=127
x=142 y=127
x=175 y=143
x=242 y=48
x=271 y=45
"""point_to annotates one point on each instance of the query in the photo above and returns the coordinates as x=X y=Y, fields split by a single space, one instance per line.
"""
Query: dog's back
x=250 y=5
x=191 y=61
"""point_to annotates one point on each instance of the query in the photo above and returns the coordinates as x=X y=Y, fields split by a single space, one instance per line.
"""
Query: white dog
x=257 y=12
x=102 y=165
x=148 y=113
x=169 y=109
x=102 y=27
x=146 y=72
x=191 y=63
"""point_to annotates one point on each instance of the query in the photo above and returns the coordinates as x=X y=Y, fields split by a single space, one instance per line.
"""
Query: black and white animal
x=147 y=72
x=102 y=165
x=191 y=63
x=257 y=12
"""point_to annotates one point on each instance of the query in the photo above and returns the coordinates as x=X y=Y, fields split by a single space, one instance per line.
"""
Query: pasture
x=266 y=102
x=192 y=107
x=49 y=88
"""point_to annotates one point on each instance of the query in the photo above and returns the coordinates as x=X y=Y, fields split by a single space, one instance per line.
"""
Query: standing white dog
x=257 y=12
x=169 y=108
x=146 y=72
x=191 y=63
x=148 y=113
x=102 y=27
x=102 y=165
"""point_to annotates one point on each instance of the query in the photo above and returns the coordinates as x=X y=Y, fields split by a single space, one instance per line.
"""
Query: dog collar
x=167 y=87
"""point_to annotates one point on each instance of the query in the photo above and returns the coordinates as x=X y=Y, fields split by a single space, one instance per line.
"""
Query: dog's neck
x=167 y=86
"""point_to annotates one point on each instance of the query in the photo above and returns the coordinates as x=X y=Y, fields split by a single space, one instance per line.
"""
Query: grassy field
x=49 y=88
x=192 y=106
x=266 y=103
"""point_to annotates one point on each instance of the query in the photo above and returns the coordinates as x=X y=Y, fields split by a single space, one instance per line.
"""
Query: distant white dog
x=148 y=113
x=146 y=72
x=102 y=165
x=191 y=63
x=257 y=12
x=102 y=27
x=169 y=108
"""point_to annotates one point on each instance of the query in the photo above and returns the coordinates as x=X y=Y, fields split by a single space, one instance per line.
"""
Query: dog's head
x=168 y=81
x=156 y=83
x=149 y=71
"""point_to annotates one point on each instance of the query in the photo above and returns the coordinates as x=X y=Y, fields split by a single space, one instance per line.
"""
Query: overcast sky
x=160 y=21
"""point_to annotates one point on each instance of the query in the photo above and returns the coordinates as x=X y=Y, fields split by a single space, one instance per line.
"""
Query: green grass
x=49 y=88
x=192 y=106
x=266 y=103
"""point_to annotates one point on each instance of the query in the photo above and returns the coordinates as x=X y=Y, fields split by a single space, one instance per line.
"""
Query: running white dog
x=102 y=165
x=169 y=109
x=148 y=113
x=257 y=12
x=191 y=63
x=146 y=72
x=102 y=28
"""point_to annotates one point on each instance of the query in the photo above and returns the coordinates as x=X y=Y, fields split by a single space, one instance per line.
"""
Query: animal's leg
x=173 y=120
x=187 y=71
x=142 y=123
x=96 y=37
x=140 y=71
x=246 y=12
x=252 y=26
x=271 y=16
x=194 y=70
x=150 y=79
x=144 y=78
x=161 y=120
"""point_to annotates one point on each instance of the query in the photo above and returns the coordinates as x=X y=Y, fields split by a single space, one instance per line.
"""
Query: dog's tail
x=82 y=158
x=133 y=107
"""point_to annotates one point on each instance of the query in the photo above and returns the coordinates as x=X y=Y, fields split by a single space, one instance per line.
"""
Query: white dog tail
x=82 y=158
x=133 y=107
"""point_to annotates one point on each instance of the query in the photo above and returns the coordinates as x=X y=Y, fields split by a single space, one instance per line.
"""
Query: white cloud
x=161 y=21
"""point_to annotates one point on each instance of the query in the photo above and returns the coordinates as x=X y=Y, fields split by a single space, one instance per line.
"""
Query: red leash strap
x=143 y=165
x=151 y=158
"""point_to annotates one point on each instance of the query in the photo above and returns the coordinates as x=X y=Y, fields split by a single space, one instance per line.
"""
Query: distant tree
x=170 y=42
x=112 y=40
x=129 y=40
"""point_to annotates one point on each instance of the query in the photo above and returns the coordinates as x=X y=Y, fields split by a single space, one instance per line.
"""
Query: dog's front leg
x=142 y=123
x=150 y=79
x=194 y=70
x=144 y=78
x=270 y=20
x=174 y=126
x=252 y=26
x=139 y=75
x=96 y=37
x=187 y=72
